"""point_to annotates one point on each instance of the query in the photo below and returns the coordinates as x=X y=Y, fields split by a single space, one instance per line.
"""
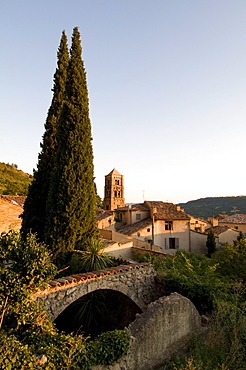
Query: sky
x=167 y=90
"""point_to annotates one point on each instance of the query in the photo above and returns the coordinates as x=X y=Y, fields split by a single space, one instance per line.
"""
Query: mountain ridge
x=212 y=206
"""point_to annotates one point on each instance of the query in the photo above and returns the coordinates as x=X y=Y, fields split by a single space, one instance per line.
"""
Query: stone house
x=197 y=224
x=161 y=224
x=11 y=207
x=225 y=234
x=105 y=219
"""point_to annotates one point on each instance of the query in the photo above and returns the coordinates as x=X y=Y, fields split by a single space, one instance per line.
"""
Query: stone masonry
x=165 y=328
x=137 y=281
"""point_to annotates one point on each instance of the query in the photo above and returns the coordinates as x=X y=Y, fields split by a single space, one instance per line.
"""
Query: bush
x=109 y=347
x=192 y=275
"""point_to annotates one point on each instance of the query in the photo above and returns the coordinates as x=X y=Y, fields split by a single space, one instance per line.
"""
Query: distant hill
x=209 y=207
x=12 y=180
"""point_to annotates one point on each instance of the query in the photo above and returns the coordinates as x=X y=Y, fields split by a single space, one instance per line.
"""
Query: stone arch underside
x=58 y=301
x=98 y=311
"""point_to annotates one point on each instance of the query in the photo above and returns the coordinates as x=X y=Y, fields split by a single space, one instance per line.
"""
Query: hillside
x=13 y=181
x=209 y=207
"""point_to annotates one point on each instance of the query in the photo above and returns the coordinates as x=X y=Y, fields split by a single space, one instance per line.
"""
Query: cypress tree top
x=35 y=206
x=71 y=218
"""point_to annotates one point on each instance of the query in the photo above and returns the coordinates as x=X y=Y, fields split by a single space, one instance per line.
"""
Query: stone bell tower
x=114 y=190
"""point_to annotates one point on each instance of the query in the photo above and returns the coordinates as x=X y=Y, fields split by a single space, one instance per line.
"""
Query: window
x=138 y=234
x=172 y=243
x=117 y=182
x=168 y=225
x=148 y=230
x=138 y=216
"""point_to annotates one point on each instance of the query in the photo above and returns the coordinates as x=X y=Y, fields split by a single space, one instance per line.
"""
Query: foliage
x=29 y=267
x=210 y=243
x=109 y=346
x=35 y=206
x=225 y=347
x=231 y=260
x=71 y=204
x=211 y=206
x=25 y=330
x=13 y=181
x=93 y=258
x=216 y=285
x=192 y=275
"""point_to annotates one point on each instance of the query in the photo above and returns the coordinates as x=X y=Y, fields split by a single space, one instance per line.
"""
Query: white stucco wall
x=228 y=236
x=179 y=231
x=120 y=250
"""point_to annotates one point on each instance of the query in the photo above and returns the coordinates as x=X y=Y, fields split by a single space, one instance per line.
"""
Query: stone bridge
x=137 y=281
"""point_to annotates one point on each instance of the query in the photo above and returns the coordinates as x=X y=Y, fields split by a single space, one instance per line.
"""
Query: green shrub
x=192 y=275
x=109 y=347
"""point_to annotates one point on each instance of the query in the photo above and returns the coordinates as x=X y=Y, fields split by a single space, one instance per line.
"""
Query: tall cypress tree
x=71 y=220
x=210 y=243
x=35 y=206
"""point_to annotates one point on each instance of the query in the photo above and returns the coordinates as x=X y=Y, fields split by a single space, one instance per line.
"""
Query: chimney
x=153 y=210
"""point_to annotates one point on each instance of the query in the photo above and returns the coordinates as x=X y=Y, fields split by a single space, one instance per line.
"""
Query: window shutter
x=176 y=243
x=167 y=243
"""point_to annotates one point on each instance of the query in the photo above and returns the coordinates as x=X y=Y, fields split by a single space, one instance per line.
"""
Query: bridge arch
x=96 y=312
x=136 y=281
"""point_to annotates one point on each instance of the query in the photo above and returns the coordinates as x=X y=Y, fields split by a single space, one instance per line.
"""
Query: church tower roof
x=114 y=172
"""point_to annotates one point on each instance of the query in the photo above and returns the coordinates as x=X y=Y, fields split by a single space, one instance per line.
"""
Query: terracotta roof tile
x=102 y=214
x=15 y=199
x=170 y=214
x=137 y=226
x=238 y=218
x=220 y=229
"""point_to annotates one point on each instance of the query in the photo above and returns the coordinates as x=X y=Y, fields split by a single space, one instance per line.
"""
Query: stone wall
x=137 y=281
x=157 y=334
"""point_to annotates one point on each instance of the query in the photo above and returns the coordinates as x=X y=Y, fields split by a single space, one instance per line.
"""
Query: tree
x=35 y=206
x=210 y=243
x=71 y=220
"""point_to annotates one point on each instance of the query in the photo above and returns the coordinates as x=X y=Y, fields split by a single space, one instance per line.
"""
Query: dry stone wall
x=157 y=334
x=137 y=281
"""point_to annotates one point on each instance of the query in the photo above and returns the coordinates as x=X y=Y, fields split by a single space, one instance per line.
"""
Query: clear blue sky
x=167 y=88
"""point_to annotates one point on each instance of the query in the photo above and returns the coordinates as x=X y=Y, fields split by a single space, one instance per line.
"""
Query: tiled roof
x=170 y=214
x=114 y=172
x=132 y=229
x=108 y=242
x=238 y=218
x=134 y=207
x=159 y=204
x=220 y=229
x=167 y=211
x=15 y=199
x=102 y=214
